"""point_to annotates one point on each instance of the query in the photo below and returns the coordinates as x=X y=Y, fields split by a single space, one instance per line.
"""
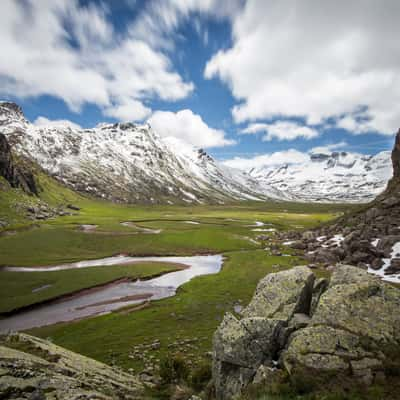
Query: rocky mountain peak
x=124 y=162
x=10 y=110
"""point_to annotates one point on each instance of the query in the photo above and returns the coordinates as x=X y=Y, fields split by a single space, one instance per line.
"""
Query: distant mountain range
x=125 y=162
x=337 y=176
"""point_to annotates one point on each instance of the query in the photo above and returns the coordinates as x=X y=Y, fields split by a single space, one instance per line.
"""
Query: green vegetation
x=288 y=391
x=199 y=305
x=221 y=229
x=182 y=326
x=19 y=289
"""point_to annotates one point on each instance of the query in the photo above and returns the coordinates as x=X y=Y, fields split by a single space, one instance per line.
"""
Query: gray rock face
x=354 y=332
x=15 y=176
x=281 y=295
x=396 y=157
x=344 y=332
x=242 y=346
x=48 y=371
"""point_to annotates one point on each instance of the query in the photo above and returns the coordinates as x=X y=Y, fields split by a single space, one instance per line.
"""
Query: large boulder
x=242 y=346
x=31 y=368
x=282 y=294
x=345 y=332
x=353 y=333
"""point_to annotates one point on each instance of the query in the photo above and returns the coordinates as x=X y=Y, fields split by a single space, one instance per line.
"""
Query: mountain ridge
x=130 y=163
x=334 y=176
x=124 y=162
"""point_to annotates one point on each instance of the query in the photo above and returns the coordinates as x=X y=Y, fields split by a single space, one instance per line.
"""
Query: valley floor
x=184 y=324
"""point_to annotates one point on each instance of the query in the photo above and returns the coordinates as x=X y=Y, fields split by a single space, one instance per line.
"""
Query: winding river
x=109 y=297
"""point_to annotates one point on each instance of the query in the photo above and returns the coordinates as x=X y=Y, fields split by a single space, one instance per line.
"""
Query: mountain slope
x=125 y=162
x=368 y=238
x=333 y=177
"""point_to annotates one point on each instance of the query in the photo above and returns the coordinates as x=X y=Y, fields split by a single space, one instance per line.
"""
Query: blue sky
x=240 y=78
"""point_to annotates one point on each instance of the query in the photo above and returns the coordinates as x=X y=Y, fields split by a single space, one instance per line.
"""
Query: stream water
x=108 y=298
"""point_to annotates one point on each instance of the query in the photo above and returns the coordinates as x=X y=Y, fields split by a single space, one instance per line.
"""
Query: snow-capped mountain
x=125 y=162
x=336 y=177
x=131 y=163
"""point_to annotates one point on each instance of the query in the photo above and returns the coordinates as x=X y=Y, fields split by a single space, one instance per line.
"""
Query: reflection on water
x=111 y=297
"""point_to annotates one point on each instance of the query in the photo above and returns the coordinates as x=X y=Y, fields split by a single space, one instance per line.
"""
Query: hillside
x=368 y=238
x=124 y=162
x=129 y=163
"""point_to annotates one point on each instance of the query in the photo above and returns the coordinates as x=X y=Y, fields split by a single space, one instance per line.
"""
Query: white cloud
x=328 y=148
x=315 y=60
x=43 y=121
x=160 y=19
x=189 y=127
x=280 y=158
x=282 y=130
x=128 y=110
x=291 y=156
x=88 y=63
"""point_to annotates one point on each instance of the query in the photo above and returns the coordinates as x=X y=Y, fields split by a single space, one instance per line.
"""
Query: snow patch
x=386 y=264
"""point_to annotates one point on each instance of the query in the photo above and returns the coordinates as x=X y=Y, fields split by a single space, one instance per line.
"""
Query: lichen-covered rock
x=354 y=332
x=345 y=332
x=246 y=342
x=322 y=348
x=280 y=306
x=31 y=368
x=240 y=347
x=283 y=294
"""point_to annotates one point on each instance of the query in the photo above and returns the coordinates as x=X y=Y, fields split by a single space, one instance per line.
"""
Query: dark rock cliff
x=364 y=238
x=396 y=157
x=17 y=176
x=393 y=187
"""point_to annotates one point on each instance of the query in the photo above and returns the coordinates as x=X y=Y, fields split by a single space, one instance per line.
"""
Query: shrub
x=200 y=376
x=173 y=368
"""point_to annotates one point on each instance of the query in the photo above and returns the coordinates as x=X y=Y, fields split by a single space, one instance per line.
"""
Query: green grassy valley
x=199 y=305
x=145 y=336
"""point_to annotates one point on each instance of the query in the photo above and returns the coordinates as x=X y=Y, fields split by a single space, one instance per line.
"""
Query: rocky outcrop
x=16 y=176
x=365 y=238
x=31 y=368
x=396 y=157
x=345 y=332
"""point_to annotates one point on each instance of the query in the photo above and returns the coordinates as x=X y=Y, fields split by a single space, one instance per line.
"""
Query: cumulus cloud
x=43 y=121
x=282 y=130
x=329 y=148
x=315 y=60
x=128 y=110
x=63 y=49
x=291 y=156
x=280 y=158
x=189 y=127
